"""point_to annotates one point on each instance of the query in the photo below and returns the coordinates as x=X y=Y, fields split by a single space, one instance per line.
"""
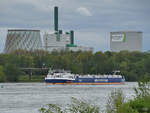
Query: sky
x=92 y=20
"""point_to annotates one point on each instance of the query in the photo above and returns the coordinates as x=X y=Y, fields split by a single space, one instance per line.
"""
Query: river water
x=30 y=97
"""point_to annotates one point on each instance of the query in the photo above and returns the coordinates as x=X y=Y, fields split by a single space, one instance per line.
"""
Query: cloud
x=104 y=16
x=98 y=40
x=84 y=11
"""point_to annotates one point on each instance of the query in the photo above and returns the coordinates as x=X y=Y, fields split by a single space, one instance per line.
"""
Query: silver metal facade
x=59 y=42
x=126 y=40
x=56 y=42
x=22 y=39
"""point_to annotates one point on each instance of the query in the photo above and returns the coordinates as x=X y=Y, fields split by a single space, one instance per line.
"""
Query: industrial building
x=126 y=40
x=59 y=41
x=32 y=39
x=56 y=42
x=22 y=39
x=62 y=42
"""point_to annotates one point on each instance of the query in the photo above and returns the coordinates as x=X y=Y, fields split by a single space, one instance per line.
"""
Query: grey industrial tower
x=22 y=39
x=126 y=40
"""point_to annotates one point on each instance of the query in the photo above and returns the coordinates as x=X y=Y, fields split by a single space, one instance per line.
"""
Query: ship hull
x=86 y=81
x=117 y=83
x=54 y=81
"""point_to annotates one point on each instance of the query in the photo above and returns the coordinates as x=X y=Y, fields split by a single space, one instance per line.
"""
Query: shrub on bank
x=140 y=104
x=115 y=104
x=77 y=106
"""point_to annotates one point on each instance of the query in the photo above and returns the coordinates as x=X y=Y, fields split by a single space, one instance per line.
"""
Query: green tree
x=25 y=61
x=2 y=76
x=11 y=72
x=147 y=65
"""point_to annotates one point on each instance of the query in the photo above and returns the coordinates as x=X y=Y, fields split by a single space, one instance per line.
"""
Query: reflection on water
x=30 y=97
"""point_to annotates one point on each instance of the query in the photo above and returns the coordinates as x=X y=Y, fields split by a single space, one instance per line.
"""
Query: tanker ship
x=62 y=77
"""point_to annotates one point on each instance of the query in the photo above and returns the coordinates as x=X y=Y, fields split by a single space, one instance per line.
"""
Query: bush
x=77 y=106
x=126 y=108
x=82 y=106
x=115 y=104
x=115 y=101
x=140 y=104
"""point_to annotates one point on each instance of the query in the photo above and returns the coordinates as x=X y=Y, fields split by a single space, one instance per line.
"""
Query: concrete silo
x=126 y=40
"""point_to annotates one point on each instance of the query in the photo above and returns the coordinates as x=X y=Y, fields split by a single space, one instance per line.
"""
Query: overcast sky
x=92 y=20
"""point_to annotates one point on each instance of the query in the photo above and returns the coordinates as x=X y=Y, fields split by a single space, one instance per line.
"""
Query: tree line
x=133 y=65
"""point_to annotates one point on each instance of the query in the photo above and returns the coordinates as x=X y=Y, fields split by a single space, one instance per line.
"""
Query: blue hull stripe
x=86 y=80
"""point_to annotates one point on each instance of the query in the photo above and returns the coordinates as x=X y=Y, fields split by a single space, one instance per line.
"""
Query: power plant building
x=22 y=39
x=59 y=41
x=56 y=42
x=62 y=42
x=126 y=40
x=31 y=40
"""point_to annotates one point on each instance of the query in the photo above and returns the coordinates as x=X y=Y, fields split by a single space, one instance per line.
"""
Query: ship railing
x=86 y=76
x=62 y=75
x=69 y=75
x=100 y=76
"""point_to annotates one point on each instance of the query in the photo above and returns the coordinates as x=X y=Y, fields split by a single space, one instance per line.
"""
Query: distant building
x=22 y=39
x=61 y=42
x=32 y=39
x=56 y=42
x=126 y=40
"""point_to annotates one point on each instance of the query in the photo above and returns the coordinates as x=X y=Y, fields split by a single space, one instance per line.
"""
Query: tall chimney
x=72 y=36
x=56 y=18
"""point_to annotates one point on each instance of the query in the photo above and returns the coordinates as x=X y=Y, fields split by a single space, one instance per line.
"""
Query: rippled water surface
x=30 y=97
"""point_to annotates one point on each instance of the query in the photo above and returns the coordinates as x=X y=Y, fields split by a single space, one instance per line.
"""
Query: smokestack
x=72 y=36
x=56 y=18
